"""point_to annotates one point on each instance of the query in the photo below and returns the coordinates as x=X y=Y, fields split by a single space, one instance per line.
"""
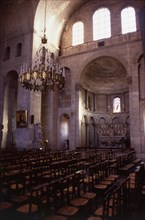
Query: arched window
x=64 y=126
x=116 y=105
x=7 y=53
x=128 y=20
x=101 y=24
x=18 y=50
x=78 y=33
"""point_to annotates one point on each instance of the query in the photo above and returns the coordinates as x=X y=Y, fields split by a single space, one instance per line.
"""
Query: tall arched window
x=78 y=33
x=116 y=105
x=101 y=24
x=128 y=20
x=64 y=130
x=18 y=50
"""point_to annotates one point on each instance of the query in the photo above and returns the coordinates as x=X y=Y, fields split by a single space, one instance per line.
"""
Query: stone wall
x=126 y=48
x=17 y=27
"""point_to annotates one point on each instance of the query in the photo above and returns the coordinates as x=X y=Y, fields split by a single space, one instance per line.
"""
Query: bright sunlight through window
x=128 y=20
x=78 y=33
x=116 y=105
x=101 y=24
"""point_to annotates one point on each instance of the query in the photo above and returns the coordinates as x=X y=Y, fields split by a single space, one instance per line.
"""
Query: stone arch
x=116 y=120
x=101 y=123
x=102 y=120
x=114 y=56
x=64 y=130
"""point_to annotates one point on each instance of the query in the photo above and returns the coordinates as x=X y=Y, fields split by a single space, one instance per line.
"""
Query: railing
x=93 y=45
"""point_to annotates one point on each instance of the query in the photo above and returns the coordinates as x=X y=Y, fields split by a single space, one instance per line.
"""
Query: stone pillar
x=88 y=29
x=115 y=22
x=92 y=142
x=78 y=117
x=109 y=108
x=123 y=103
x=86 y=99
x=87 y=134
x=1 y=106
x=83 y=134
x=95 y=136
x=94 y=102
x=49 y=118
x=134 y=110
x=5 y=117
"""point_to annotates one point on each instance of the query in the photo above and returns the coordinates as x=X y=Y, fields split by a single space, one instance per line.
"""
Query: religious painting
x=21 y=119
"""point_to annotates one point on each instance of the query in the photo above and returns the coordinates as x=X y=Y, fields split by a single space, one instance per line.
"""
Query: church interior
x=72 y=109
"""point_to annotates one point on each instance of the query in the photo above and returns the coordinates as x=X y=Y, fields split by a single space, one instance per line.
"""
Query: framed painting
x=21 y=119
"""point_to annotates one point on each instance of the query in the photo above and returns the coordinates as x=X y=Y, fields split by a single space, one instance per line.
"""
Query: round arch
x=64 y=130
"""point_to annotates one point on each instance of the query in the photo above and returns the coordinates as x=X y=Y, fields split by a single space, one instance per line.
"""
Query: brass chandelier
x=45 y=74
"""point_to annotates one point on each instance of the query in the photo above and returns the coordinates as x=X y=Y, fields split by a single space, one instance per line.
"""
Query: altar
x=112 y=134
x=111 y=142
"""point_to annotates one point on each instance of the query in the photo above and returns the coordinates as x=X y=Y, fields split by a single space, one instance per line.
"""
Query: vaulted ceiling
x=100 y=74
x=105 y=75
x=28 y=11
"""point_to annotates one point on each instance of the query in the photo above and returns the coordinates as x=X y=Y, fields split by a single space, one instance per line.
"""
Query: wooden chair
x=18 y=190
x=125 y=209
x=5 y=210
x=35 y=204
x=88 y=194
x=109 y=208
x=63 y=206
x=115 y=165
x=58 y=199
x=103 y=183
x=55 y=217
x=5 y=205
x=142 y=197
x=81 y=201
x=136 y=183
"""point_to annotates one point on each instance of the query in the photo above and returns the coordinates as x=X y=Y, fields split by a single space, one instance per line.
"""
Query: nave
x=72 y=185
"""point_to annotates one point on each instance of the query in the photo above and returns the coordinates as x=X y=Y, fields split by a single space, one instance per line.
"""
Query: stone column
x=123 y=103
x=95 y=136
x=109 y=108
x=134 y=110
x=49 y=118
x=115 y=22
x=83 y=134
x=78 y=118
x=87 y=134
x=1 y=107
x=86 y=99
x=94 y=102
